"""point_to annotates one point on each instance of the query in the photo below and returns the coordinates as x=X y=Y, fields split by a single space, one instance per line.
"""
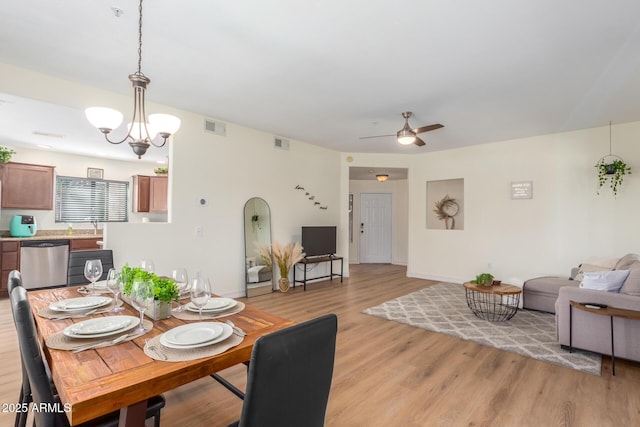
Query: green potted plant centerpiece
x=164 y=290
x=613 y=172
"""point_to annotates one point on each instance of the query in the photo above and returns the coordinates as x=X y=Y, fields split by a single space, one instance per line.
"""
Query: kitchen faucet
x=94 y=222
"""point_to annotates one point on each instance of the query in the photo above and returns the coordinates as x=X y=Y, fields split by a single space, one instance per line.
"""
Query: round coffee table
x=495 y=303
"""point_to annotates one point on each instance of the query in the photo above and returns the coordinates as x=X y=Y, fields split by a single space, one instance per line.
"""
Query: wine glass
x=147 y=265
x=141 y=297
x=179 y=276
x=200 y=294
x=113 y=284
x=92 y=272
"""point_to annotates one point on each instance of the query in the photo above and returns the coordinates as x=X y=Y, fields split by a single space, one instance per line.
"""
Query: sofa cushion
x=584 y=268
x=607 y=262
x=626 y=261
x=631 y=286
x=610 y=281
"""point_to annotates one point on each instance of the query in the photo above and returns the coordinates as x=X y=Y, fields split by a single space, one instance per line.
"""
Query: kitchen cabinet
x=26 y=186
x=150 y=193
x=85 y=244
x=9 y=260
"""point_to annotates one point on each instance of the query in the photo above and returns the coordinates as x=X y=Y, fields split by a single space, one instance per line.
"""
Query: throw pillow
x=610 y=281
x=588 y=268
x=631 y=286
x=626 y=261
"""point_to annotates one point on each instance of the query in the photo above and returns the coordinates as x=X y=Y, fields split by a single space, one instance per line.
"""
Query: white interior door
x=375 y=227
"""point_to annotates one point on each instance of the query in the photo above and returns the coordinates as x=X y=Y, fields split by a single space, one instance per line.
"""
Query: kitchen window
x=86 y=200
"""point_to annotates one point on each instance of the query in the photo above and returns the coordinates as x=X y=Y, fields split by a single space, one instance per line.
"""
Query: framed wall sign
x=95 y=173
x=521 y=190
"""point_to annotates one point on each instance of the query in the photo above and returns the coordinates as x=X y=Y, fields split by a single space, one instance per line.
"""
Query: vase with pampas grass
x=286 y=256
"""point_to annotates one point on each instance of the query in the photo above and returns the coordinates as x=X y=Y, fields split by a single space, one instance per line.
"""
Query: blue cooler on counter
x=23 y=226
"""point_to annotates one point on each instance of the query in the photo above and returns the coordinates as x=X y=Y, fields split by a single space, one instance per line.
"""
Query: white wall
x=515 y=240
x=399 y=196
x=72 y=165
x=565 y=222
x=227 y=171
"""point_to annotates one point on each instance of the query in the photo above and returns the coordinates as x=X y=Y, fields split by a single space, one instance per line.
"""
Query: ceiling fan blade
x=419 y=142
x=428 y=128
x=374 y=136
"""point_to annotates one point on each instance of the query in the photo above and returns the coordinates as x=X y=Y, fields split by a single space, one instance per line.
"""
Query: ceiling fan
x=406 y=135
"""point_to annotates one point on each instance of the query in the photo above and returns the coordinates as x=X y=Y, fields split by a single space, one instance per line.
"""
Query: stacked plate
x=194 y=335
x=214 y=305
x=101 y=327
x=80 y=304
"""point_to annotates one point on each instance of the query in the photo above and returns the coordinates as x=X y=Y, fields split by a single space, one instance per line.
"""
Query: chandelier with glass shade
x=141 y=133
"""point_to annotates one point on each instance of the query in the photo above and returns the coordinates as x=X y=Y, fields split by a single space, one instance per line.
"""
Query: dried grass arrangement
x=286 y=256
x=265 y=255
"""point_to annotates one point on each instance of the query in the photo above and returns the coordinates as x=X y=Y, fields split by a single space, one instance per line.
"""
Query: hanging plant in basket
x=612 y=171
x=611 y=168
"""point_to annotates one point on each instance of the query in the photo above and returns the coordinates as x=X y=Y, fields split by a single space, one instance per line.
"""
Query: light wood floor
x=390 y=374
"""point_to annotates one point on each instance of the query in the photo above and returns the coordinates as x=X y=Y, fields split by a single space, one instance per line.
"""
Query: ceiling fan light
x=382 y=177
x=407 y=140
x=103 y=118
x=164 y=123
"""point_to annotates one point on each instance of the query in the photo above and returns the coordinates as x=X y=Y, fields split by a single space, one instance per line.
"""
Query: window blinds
x=85 y=200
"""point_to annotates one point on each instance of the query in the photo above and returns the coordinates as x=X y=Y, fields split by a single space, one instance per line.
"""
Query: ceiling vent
x=215 y=127
x=281 y=143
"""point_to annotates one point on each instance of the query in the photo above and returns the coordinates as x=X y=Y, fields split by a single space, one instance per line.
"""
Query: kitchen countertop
x=5 y=236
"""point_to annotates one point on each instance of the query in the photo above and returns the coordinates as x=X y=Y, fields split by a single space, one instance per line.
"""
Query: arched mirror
x=257 y=232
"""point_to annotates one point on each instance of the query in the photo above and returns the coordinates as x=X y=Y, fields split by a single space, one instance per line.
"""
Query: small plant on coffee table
x=485 y=279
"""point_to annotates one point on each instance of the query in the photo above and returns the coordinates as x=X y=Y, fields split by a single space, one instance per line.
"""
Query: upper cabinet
x=26 y=186
x=150 y=193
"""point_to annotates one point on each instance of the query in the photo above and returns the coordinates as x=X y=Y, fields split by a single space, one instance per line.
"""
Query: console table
x=317 y=260
x=603 y=311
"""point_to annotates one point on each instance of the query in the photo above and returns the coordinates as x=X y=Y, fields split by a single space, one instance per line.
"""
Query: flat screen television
x=319 y=240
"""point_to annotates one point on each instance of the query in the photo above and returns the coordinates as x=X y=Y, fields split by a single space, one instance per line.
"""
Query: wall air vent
x=281 y=143
x=215 y=127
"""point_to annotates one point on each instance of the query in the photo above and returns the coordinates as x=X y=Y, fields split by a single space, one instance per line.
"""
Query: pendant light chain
x=140 y=38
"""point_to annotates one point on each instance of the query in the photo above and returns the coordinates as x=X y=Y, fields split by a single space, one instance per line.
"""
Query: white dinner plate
x=132 y=323
x=193 y=333
x=227 y=331
x=214 y=305
x=81 y=303
x=100 y=325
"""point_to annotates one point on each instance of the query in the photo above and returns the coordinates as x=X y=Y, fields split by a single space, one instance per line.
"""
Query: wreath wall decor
x=446 y=209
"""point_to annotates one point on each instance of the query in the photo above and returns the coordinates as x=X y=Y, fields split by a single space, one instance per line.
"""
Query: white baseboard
x=436 y=278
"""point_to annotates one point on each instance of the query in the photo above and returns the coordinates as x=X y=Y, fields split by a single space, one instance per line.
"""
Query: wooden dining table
x=122 y=377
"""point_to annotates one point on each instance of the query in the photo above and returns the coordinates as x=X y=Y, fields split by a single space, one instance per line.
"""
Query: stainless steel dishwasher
x=43 y=263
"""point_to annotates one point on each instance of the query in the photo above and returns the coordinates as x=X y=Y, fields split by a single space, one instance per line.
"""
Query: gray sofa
x=541 y=293
x=592 y=331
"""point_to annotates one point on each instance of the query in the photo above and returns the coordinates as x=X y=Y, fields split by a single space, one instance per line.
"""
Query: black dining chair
x=77 y=259
x=15 y=280
x=289 y=376
x=42 y=392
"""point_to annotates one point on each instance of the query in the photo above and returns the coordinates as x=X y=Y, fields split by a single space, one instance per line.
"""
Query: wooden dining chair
x=77 y=259
x=40 y=381
x=290 y=376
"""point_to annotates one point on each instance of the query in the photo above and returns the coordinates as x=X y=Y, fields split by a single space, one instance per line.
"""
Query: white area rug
x=443 y=308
